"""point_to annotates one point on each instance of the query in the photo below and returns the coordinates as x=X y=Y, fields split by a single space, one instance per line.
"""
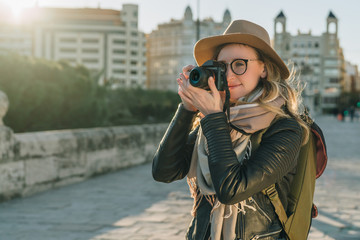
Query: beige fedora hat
x=240 y=31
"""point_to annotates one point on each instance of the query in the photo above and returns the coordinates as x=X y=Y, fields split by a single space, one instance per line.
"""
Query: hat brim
x=205 y=49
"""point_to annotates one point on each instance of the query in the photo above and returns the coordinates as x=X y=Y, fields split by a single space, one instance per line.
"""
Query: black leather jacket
x=273 y=162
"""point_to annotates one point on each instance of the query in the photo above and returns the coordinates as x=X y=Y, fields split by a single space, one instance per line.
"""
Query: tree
x=47 y=95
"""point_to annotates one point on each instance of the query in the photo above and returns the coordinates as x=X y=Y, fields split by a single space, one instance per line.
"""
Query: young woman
x=226 y=168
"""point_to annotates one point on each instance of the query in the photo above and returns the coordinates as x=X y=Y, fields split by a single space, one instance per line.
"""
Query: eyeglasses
x=239 y=66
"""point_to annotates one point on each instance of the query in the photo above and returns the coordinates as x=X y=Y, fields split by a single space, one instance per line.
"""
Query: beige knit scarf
x=250 y=117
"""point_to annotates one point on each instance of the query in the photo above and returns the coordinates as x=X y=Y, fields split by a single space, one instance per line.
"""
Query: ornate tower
x=282 y=38
x=226 y=18
x=188 y=16
x=332 y=24
x=280 y=19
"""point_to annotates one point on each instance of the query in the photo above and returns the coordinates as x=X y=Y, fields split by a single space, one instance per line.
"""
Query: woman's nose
x=229 y=72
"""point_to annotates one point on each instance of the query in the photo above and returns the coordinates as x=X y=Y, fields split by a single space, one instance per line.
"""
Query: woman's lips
x=233 y=86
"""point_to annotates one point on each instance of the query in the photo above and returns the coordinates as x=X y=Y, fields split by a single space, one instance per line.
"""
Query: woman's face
x=241 y=85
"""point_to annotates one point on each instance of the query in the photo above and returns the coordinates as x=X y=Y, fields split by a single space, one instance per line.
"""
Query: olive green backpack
x=296 y=219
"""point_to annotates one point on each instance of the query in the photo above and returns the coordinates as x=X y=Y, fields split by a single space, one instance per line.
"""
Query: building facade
x=352 y=78
x=170 y=47
x=105 y=41
x=319 y=59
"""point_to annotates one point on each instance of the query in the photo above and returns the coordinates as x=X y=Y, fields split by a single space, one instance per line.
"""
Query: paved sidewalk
x=130 y=205
x=337 y=192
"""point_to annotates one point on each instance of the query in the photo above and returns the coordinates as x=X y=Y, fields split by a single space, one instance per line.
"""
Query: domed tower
x=332 y=24
x=188 y=14
x=226 y=18
x=281 y=37
x=280 y=20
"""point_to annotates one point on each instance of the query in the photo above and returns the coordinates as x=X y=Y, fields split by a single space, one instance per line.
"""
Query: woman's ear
x=264 y=73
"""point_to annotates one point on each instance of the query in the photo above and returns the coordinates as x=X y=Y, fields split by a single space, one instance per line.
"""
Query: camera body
x=199 y=76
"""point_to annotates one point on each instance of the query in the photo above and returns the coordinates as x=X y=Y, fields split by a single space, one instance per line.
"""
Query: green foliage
x=46 y=95
x=136 y=106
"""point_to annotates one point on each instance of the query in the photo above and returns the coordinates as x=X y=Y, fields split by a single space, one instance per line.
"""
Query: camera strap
x=226 y=109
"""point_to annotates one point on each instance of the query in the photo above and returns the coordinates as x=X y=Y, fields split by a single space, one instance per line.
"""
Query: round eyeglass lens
x=238 y=66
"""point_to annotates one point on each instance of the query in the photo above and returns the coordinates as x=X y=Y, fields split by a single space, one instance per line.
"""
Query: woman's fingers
x=185 y=96
x=211 y=83
x=186 y=70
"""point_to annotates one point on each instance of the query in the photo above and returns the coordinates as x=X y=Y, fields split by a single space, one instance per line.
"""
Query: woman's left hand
x=206 y=102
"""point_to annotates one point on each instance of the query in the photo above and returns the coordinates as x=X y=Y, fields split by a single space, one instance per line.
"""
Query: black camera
x=199 y=76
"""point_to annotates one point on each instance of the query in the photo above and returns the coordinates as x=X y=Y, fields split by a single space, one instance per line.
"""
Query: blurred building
x=170 y=47
x=105 y=41
x=319 y=59
x=352 y=78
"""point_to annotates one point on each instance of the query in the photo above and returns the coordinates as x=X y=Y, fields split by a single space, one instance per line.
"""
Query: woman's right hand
x=184 y=76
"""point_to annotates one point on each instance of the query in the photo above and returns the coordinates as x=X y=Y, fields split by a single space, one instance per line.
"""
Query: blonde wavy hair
x=289 y=89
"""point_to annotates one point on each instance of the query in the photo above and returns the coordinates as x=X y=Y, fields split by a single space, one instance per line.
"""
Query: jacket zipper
x=238 y=226
x=265 y=235
x=242 y=226
x=252 y=200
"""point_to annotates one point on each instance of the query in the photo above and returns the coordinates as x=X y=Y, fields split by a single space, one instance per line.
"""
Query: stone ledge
x=35 y=162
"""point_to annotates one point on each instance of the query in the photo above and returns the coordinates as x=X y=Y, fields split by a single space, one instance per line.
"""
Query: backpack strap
x=273 y=195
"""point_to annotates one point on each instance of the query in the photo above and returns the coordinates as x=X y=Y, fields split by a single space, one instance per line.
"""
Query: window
x=133 y=72
x=134 y=34
x=119 y=51
x=68 y=40
x=134 y=43
x=119 y=71
x=332 y=28
x=134 y=63
x=330 y=99
x=119 y=41
x=331 y=72
x=90 y=40
x=71 y=60
x=279 y=27
x=90 y=60
x=334 y=80
x=134 y=53
x=133 y=83
x=119 y=61
x=90 y=50
x=68 y=50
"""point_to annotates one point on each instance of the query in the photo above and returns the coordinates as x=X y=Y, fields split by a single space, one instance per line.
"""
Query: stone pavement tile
x=354 y=233
x=155 y=231
x=356 y=224
x=65 y=227
x=152 y=218
x=330 y=221
x=118 y=234
x=316 y=234
x=126 y=222
x=157 y=208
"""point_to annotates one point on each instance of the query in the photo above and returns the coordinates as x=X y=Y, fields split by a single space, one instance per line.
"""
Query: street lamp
x=198 y=21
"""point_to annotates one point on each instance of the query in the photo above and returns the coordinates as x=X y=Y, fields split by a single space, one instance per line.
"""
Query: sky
x=304 y=15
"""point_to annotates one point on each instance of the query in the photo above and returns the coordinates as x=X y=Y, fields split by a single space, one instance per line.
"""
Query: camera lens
x=195 y=77
x=199 y=77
